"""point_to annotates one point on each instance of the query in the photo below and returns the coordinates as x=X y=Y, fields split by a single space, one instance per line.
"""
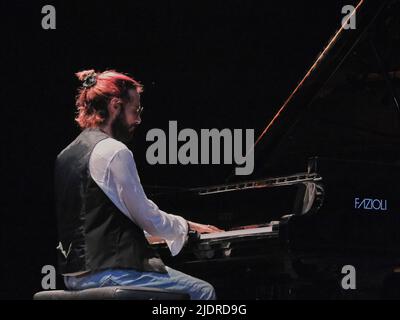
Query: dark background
x=206 y=64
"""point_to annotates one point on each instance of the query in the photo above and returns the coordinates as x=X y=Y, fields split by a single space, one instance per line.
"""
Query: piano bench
x=112 y=293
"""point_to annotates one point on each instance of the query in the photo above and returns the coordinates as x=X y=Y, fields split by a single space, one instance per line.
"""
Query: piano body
x=289 y=236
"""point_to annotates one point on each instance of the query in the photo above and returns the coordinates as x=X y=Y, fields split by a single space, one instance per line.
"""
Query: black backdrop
x=206 y=64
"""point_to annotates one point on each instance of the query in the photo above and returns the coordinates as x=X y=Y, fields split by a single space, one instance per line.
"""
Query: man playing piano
x=102 y=209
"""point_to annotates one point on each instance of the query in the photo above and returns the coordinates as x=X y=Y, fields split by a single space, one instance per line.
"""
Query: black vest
x=93 y=233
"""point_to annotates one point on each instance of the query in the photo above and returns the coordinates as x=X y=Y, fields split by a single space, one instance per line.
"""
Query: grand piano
x=290 y=235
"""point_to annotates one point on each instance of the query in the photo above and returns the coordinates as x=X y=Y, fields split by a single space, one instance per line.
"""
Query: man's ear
x=114 y=105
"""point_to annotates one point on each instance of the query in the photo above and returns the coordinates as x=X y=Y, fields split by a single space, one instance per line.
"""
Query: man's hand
x=154 y=240
x=203 y=228
x=200 y=228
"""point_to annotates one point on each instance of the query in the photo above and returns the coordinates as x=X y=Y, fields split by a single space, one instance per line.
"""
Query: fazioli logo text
x=370 y=204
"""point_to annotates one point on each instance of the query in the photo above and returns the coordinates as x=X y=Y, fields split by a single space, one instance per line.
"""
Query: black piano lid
x=344 y=107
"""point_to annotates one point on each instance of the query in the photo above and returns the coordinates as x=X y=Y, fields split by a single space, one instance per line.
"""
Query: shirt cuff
x=176 y=245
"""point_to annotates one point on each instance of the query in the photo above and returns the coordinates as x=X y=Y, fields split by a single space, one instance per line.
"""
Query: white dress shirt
x=113 y=168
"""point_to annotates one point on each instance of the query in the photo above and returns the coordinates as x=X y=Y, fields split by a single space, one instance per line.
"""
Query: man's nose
x=138 y=120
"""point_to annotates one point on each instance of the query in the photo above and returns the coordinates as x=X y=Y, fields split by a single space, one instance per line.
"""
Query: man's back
x=93 y=232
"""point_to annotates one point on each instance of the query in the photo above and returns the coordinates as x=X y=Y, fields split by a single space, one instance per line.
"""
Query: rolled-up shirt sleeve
x=117 y=176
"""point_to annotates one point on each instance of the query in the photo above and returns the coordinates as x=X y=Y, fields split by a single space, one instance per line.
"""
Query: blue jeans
x=173 y=280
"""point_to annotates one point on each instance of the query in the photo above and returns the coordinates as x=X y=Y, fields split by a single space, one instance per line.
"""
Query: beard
x=121 y=130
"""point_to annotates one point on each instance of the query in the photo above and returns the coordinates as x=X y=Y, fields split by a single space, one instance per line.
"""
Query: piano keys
x=237 y=235
x=210 y=245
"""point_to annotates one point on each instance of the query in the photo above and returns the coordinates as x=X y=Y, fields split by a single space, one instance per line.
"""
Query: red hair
x=92 y=101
